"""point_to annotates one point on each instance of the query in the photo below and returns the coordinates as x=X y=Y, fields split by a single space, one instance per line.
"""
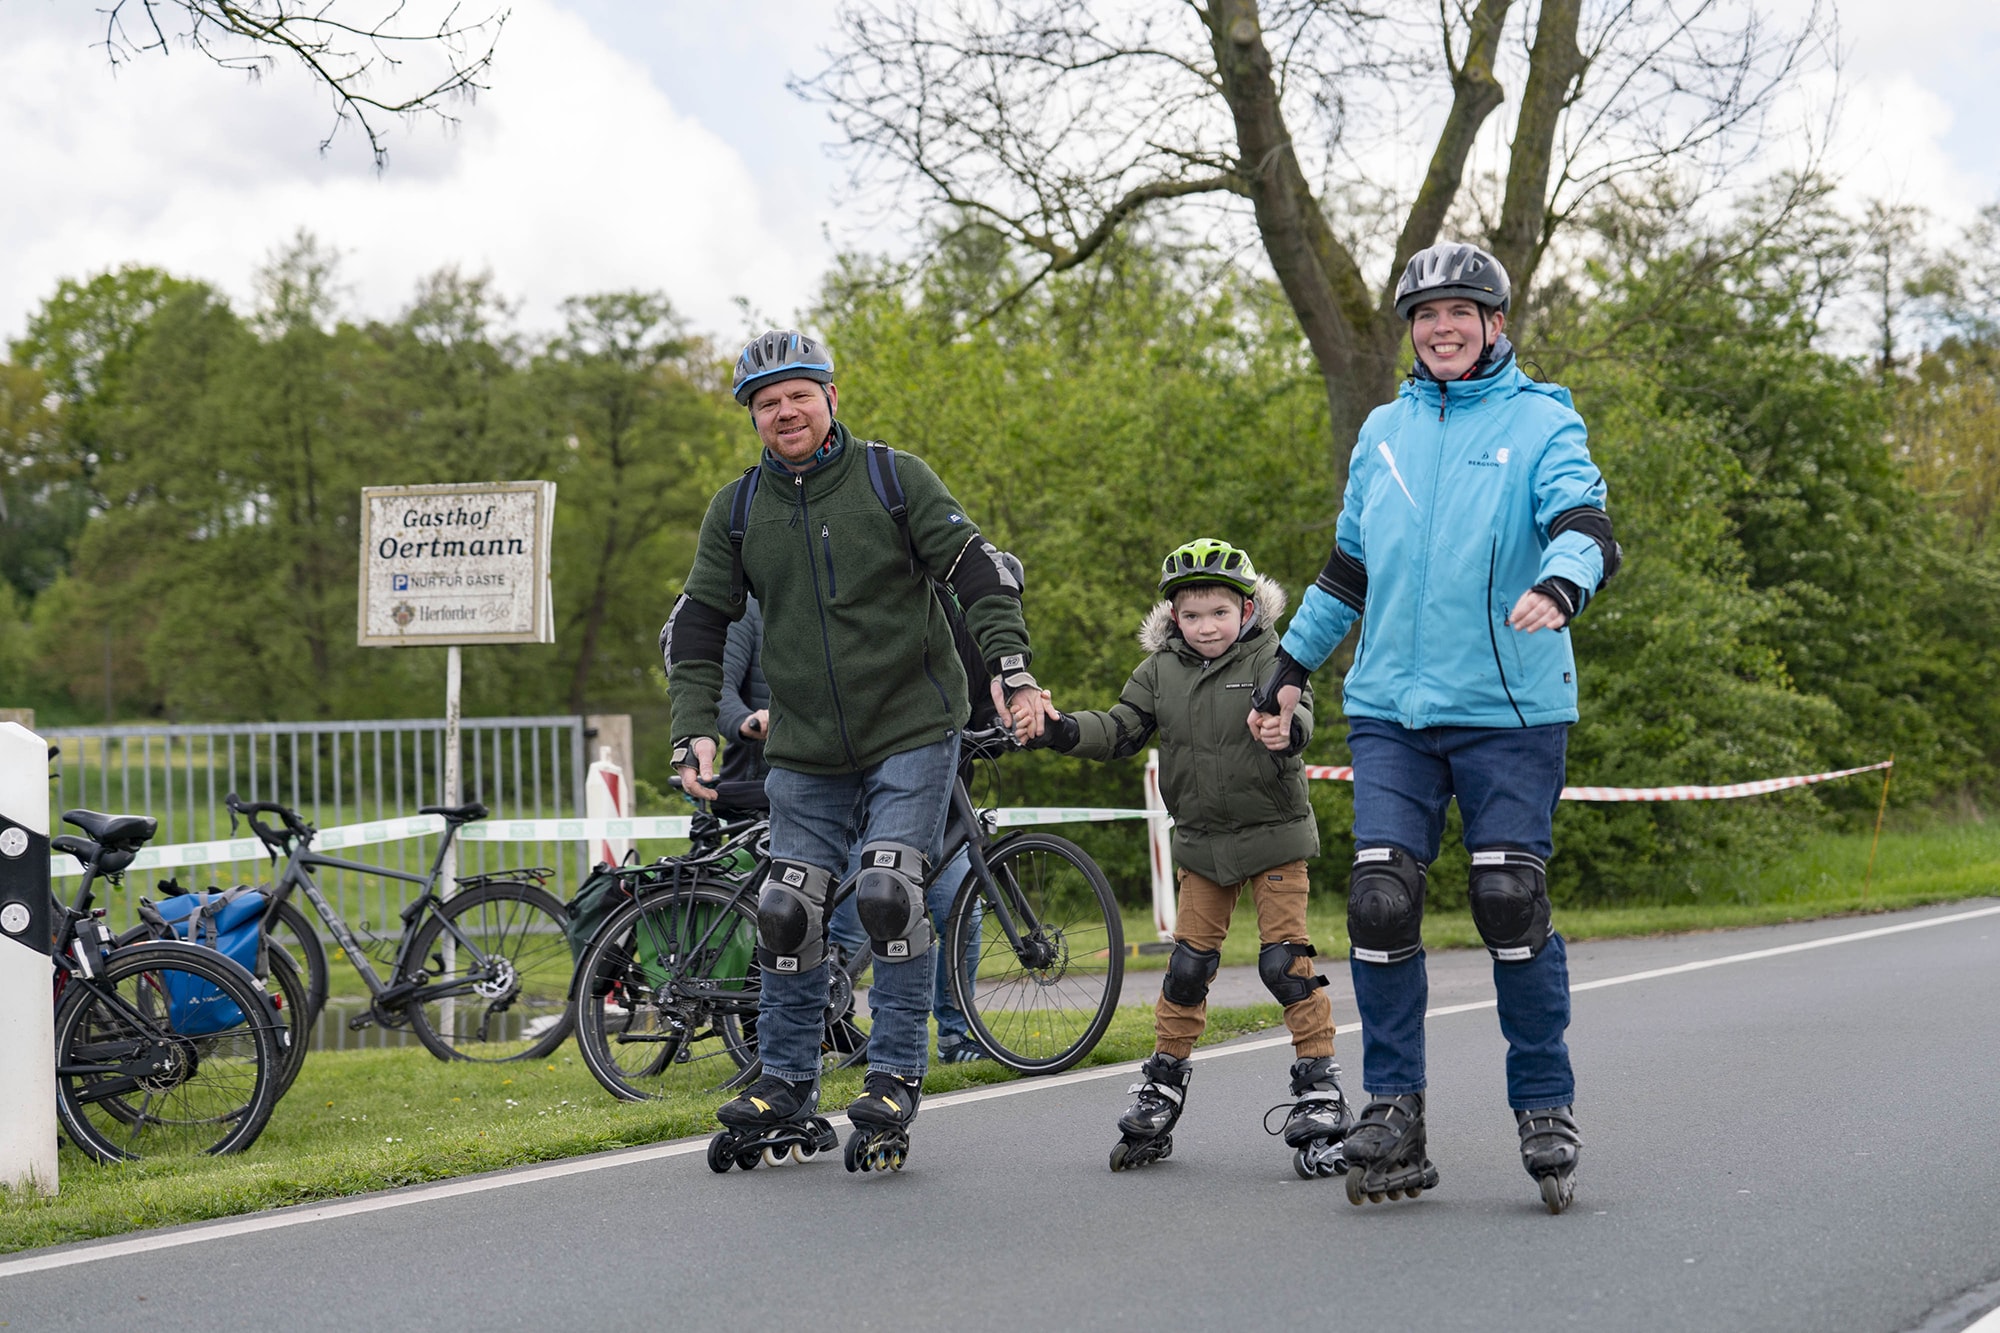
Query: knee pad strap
x=791 y=917
x=889 y=898
x=1189 y=971
x=1274 y=969
x=1385 y=905
x=1510 y=902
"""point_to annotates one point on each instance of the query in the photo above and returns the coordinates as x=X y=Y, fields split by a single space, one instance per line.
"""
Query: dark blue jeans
x=821 y=820
x=1507 y=782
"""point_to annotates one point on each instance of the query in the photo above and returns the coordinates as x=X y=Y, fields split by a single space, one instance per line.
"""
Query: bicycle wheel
x=288 y=927
x=667 y=992
x=136 y=1073
x=288 y=992
x=515 y=1005
x=1041 y=1007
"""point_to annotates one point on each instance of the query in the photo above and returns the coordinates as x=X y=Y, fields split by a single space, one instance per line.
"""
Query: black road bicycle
x=163 y=1048
x=666 y=993
x=481 y=975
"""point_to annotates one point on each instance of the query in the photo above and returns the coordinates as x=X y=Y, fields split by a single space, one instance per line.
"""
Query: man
x=1473 y=530
x=866 y=701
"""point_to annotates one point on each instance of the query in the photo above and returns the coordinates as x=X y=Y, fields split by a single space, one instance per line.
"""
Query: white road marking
x=199 y=1233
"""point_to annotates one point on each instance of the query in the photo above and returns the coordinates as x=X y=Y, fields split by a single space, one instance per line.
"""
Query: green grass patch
x=369 y=1120
x=1822 y=879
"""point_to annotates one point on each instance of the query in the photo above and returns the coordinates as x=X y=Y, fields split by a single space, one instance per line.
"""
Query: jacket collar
x=825 y=469
x=1503 y=378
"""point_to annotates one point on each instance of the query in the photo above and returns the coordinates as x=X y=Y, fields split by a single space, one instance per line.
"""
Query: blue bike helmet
x=781 y=354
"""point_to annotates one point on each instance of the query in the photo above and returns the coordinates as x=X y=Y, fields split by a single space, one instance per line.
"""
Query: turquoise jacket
x=1451 y=491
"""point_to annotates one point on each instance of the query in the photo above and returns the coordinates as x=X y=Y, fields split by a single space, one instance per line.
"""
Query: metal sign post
x=443 y=566
x=27 y=1013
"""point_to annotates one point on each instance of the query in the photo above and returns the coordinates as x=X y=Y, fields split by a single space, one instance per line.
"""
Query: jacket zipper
x=825 y=639
x=826 y=545
x=1493 y=635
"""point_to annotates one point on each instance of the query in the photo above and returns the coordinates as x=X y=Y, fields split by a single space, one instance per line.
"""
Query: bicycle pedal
x=360 y=1021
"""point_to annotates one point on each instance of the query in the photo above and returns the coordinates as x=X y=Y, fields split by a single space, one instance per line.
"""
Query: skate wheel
x=1395 y=1194
x=721 y=1154
x=1120 y=1151
x=748 y=1159
x=772 y=1156
x=1302 y=1164
x=1376 y=1196
x=856 y=1145
x=1166 y=1147
x=1413 y=1192
x=1554 y=1195
x=801 y=1151
x=1355 y=1194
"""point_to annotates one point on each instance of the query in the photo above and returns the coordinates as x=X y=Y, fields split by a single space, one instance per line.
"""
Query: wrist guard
x=1012 y=673
x=1060 y=734
x=1285 y=671
x=1566 y=595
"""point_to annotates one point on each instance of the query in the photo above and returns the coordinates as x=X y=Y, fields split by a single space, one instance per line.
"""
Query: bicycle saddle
x=742 y=796
x=456 y=814
x=126 y=831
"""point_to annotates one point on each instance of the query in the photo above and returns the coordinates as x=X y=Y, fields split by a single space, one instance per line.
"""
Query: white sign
x=456 y=564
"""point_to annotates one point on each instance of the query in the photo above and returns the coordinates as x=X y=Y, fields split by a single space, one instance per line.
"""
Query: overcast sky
x=645 y=145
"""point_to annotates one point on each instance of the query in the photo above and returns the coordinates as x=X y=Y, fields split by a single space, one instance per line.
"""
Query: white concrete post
x=27 y=1012
x=607 y=795
x=1166 y=912
x=447 y=884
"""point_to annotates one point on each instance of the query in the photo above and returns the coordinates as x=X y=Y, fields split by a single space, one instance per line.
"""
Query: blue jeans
x=821 y=820
x=1507 y=781
x=845 y=930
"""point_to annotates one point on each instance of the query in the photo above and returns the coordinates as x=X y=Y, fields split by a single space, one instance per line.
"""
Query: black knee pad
x=1510 y=902
x=1189 y=971
x=791 y=917
x=1274 y=968
x=1385 y=905
x=889 y=898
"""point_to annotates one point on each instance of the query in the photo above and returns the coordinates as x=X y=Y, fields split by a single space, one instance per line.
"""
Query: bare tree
x=376 y=59
x=1059 y=122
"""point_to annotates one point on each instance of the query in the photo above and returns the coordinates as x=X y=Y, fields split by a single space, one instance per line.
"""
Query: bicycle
x=668 y=986
x=483 y=975
x=162 y=1047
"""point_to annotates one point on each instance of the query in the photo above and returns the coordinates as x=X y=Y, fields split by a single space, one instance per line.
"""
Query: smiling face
x=1448 y=334
x=793 y=418
x=1210 y=619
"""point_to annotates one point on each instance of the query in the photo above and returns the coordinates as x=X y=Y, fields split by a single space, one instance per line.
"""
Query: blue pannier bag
x=230 y=922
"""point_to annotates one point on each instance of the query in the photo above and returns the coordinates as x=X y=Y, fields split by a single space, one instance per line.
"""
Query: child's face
x=1210 y=619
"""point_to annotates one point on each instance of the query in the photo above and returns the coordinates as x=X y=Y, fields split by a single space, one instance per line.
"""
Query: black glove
x=1285 y=671
x=1566 y=595
x=1059 y=733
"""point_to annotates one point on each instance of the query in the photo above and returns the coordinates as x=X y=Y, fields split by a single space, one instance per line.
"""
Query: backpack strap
x=889 y=490
x=739 y=523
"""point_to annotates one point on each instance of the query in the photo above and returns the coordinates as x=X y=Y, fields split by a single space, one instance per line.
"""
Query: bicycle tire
x=519 y=927
x=1038 y=1014
x=288 y=989
x=667 y=991
x=288 y=927
x=205 y=1094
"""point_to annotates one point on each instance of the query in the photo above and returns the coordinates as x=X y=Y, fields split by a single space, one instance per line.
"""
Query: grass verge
x=369 y=1120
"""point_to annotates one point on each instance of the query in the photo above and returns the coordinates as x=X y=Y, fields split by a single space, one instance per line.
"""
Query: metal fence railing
x=332 y=773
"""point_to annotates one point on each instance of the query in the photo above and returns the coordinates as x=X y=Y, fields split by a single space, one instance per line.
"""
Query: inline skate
x=881 y=1116
x=1148 y=1127
x=1550 y=1146
x=1318 y=1120
x=1385 y=1151
x=771 y=1121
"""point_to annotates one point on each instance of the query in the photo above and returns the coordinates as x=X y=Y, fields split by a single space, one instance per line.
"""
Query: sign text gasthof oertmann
x=456 y=564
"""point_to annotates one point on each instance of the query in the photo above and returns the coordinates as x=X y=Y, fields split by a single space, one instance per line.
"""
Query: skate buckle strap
x=1166 y=1091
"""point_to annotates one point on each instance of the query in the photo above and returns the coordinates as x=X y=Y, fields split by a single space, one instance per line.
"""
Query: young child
x=1241 y=819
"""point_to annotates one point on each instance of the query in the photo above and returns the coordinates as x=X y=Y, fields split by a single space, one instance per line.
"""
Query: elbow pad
x=1595 y=524
x=1285 y=671
x=982 y=570
x=1345 y=579
x=694 y=632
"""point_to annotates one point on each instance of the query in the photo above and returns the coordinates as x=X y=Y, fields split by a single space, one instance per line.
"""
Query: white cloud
x=573 y=174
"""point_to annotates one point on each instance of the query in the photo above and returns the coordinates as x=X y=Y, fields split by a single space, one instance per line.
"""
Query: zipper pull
x=1443 y=388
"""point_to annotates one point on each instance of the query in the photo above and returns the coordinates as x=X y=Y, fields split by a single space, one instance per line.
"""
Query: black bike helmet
x=781 y=354
x=1452 y=268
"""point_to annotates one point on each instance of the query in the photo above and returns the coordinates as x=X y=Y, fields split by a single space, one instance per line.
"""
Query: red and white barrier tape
x=1761 y=787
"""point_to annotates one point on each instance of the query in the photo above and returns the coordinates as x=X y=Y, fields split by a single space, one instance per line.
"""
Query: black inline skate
x=1550 y=1146
x=881 y=1116
x=1385 y=1151
x=1317 y=1120
x=771 y=1121
x=1149 y=1126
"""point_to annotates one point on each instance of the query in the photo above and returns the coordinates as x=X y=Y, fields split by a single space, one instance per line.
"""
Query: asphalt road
x=1805 y=1140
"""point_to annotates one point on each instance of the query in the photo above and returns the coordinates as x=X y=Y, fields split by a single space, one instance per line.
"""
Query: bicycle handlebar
x=295 y=827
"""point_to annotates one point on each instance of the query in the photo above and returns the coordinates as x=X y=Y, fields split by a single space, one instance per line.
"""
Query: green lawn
x=1822 y=879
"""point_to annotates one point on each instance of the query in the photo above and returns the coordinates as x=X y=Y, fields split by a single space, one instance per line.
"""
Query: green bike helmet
x=1208 y=560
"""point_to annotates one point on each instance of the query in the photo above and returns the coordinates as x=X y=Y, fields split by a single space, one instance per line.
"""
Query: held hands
x=698 y=779
x=1028 y=711
x=1274 y=730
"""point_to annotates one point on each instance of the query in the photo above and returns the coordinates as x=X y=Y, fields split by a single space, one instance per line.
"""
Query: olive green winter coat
x=857 y=651
x=1238 y=808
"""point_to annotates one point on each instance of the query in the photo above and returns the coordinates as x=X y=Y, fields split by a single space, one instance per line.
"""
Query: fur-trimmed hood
x=1157 y=633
